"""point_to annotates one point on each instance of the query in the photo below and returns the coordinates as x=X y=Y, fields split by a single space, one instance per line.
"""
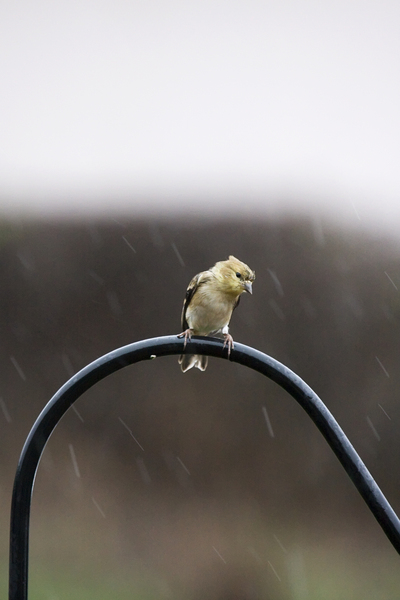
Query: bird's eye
x=238 y=275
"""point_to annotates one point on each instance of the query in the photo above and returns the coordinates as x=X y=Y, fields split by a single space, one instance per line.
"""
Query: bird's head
x=234 y=275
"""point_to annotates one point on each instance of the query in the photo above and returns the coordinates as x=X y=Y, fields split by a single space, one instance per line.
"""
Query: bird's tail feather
x=188 y=361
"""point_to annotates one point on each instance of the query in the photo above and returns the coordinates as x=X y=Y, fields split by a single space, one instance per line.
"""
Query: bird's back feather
x=197 y=281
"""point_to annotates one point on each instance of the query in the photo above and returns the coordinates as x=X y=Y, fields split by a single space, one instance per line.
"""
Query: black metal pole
x=163 y=346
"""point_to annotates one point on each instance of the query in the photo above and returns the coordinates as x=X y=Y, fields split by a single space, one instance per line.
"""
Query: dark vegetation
x=205 y=473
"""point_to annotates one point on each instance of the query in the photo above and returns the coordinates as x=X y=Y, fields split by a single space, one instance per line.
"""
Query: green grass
x=308 y=573
x=330 y=565
x=330 y=575
x=59 y=584
x=62 y=586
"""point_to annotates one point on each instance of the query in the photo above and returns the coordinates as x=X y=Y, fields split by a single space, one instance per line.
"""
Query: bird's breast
x=209 y=312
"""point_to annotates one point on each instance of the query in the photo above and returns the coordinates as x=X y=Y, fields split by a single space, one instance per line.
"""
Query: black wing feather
x=237 y=302
x=193 y=286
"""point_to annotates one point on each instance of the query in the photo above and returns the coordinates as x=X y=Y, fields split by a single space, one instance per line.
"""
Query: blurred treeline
x=204 y=485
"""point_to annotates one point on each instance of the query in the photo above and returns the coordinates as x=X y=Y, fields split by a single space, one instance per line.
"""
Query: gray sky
x=172 y=103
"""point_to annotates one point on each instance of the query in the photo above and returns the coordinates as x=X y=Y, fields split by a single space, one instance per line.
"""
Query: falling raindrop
x=114 y=303
x=179 y=257
x=391 y=280
x=373 y=429
x=26 y=260
x=356 y=211
x=182 y=473
x=67 y=364
x=382 y=367
x=18 y=368
x=183 y=466
x=78 y=414
x=268 y=422
x=130 y=432
x=98 y=508
x=118 y=222
x=276 y=281
x=280 y=544
x=155 y=236
x=128 y=244
x=74 y=461
x=384 y=411
x=220 y=555
x=5 y=410
x=96 y=277
x=274 y=571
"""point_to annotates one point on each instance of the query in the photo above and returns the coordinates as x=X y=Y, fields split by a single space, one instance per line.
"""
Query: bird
x=210 y=300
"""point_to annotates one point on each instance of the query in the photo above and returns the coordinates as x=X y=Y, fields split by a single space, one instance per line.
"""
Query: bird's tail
x=188 y=361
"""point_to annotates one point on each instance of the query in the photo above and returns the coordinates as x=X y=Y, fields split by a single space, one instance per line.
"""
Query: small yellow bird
x=210 y=300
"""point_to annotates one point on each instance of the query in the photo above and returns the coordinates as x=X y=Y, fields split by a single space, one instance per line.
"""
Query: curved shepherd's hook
x=164 y=346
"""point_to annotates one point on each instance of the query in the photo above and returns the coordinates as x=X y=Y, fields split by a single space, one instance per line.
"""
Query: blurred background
x=141 y=143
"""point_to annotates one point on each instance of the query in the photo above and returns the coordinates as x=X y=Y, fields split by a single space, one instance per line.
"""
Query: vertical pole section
x=164 y=346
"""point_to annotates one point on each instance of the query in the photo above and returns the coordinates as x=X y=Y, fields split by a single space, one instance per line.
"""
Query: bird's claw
x=187 y=335
x=228 y=341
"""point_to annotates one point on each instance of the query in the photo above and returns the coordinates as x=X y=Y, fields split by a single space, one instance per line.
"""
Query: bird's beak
x=248 y=287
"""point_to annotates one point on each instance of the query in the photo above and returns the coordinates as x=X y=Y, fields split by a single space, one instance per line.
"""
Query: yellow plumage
x=210 y=300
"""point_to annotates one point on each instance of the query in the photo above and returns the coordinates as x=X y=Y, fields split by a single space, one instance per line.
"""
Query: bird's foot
x=187 y=335
x=228 y=341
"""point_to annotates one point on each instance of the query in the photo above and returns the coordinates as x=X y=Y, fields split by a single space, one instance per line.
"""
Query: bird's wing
x=193 y=286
